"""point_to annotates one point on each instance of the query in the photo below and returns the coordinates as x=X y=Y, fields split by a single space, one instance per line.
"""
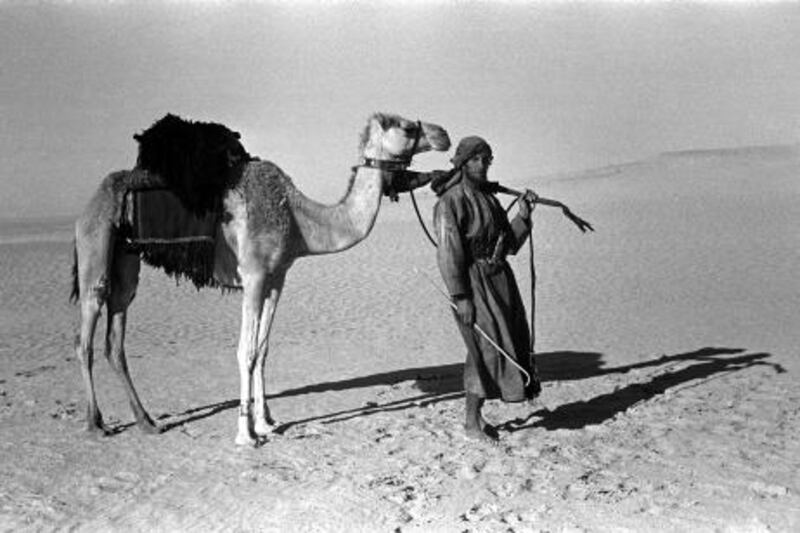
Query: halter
x=394 y=165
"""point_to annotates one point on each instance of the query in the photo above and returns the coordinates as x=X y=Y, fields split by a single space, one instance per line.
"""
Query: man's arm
x=522 y=223
x=451 y=259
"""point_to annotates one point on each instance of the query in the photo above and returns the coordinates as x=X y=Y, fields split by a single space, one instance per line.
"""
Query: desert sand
x=667 y=341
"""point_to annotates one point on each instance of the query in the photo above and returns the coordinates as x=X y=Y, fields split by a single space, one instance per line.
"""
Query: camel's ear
x=384 y=120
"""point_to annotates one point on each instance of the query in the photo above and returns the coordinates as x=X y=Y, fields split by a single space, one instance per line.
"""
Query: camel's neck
x=333 y=228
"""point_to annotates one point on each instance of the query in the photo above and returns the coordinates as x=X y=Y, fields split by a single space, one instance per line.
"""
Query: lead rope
x=532 y=268
x=419 y=217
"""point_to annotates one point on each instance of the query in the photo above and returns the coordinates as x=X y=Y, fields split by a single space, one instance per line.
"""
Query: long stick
x=578 y=221
x=477 y=328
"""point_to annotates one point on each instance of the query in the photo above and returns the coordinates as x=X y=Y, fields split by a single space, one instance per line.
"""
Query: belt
x=489 y=260
x=498 y=254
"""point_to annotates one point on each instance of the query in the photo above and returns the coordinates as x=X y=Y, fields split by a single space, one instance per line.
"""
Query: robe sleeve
x=520 y=229
x=450 y=253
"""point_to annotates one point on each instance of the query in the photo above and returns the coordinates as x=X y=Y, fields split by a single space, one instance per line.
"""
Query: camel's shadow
x=444 y=383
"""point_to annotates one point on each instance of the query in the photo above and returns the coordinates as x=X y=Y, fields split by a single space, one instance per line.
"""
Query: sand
x=667 y=340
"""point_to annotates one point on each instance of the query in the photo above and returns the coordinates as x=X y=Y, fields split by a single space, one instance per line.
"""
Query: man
x=474 y=236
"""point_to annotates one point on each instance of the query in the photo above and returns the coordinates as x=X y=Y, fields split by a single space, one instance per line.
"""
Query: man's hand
x=527 y=202
x=465 y=310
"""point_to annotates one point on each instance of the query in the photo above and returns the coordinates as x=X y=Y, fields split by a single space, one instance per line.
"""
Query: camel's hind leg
x=92 y=257
x=124 y=279
x=90 y=312
x=264 y=424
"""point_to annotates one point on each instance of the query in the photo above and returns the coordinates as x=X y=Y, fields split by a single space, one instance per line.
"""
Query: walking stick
x=477 y=328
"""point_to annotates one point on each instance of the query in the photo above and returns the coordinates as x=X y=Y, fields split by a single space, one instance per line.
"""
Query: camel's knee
x=85 y=353
x=92 y=296
x=90 y=311
x=100 y=290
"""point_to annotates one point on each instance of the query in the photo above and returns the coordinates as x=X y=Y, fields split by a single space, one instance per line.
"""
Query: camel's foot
x=95 y=425
x=245 y=435
x=148 y=427
x=264 y=428
x=486 y=435
x=247 y=439
x=98 y=430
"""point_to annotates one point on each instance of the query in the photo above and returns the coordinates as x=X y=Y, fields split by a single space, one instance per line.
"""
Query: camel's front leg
x=264 y=424
x=252 y=303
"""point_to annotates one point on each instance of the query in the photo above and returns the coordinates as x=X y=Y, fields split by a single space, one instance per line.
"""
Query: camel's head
x=394 y=139
x=389 y=142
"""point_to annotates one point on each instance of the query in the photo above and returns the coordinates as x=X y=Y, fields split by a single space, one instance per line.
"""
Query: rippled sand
x=668 y=342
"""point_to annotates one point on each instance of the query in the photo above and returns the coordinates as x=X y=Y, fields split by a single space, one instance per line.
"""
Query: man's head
x=474 y=155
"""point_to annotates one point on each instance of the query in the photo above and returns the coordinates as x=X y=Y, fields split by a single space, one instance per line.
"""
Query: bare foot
x=487 y=434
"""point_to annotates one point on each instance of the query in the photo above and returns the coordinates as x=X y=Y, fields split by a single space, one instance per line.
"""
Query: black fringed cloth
x=169 y=236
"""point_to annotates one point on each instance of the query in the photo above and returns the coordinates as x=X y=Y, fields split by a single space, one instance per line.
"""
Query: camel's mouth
x=403 y=181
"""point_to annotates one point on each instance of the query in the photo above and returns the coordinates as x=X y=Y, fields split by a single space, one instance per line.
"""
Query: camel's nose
x=437 y=137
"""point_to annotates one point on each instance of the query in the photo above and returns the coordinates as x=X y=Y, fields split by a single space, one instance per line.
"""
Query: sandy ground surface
x=668 y=343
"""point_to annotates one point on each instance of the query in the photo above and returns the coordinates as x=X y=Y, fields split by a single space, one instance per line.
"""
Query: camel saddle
x=157 y=215
x=174 y=227
x=167 y=235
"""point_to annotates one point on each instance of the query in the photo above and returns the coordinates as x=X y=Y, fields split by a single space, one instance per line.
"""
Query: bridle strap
x=385 y=164
x=395 y=165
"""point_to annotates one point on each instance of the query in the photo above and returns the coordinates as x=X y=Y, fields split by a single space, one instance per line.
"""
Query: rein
x=419 y=217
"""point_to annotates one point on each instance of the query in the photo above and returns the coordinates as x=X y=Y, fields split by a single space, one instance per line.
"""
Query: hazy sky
x=553 y=87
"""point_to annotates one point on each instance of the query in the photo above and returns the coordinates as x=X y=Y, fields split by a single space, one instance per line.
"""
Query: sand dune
x=668 y=342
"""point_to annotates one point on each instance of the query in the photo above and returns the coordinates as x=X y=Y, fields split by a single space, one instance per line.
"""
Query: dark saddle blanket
x=157 y=216
x=168 y=236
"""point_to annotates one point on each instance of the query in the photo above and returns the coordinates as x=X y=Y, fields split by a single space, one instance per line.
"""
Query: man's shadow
x=444 y=383
x=708 y=364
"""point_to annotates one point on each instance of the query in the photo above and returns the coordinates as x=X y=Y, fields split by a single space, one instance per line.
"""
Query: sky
x=554 y=87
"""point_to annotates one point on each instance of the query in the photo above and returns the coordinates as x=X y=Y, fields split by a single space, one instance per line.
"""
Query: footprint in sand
x=119 y=482
x=34 y=371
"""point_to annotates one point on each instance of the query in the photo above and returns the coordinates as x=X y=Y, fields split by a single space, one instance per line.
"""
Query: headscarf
x=467 y=148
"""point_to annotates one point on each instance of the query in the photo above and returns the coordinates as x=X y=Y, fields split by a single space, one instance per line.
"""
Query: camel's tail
x=73 y=297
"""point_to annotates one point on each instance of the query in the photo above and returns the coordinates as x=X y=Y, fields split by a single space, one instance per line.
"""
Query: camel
x=266 y=225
